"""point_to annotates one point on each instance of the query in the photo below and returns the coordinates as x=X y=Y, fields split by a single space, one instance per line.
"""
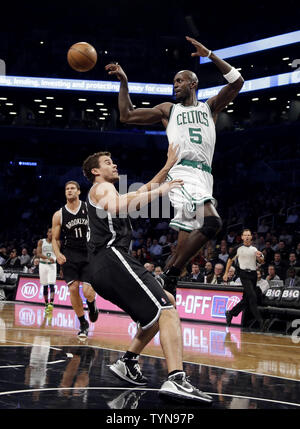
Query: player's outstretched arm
x=234 y=78
x=161 y=176
x=105 y=196
x=128 y=114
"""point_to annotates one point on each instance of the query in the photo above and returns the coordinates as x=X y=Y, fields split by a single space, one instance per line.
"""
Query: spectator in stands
x=263 y=227
x=149 y=267
x=34 y=269
x=134 y=254
x=262 y=283
x=286 y=237
x=13 y=262
x=280 y=266
x=208 y=272
x=212 y=256
x=231 y=237
x=223 y=255
x=218 y=274
x=195 y=275
x=283 y=249
x=173 y=251
x=293 y=262
x=157 y=271
x=232 y=277
x=155 y=250
x=260 y=243
x=142 y=255
x=24 y=258
x=3 y=255
x=148 y=244
x=268 y=252
x=33 y=256
x=274 y=242
x=271 y=274
x=292 y=280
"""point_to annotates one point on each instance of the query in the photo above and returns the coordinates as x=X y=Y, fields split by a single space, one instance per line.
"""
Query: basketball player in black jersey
x=69 y=225
x=123 y=280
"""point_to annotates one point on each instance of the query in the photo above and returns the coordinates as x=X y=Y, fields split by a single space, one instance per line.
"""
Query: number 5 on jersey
x=195 y=135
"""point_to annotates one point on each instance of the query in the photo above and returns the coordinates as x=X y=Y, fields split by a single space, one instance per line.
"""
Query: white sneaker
x=177 y=386
x=129 y=370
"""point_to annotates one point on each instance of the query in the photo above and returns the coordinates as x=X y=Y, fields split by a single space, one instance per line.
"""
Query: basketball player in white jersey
x=47 y=268
x=190 y=124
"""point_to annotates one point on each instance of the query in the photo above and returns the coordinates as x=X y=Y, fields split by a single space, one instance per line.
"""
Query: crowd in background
x=154 y=243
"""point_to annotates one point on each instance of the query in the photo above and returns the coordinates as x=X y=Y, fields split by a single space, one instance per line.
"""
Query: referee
x=247 y=256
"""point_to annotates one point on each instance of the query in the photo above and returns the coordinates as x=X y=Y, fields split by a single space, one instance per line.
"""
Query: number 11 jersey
x=74 y=227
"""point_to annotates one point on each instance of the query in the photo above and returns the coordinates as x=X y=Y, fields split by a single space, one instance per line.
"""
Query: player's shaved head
x=190 y=75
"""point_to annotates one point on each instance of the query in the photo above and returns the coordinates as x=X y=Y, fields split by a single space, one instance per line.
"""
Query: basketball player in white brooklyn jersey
x=191 y=126
x=47 y=268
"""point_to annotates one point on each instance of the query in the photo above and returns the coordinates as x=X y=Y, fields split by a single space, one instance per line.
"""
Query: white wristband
x=209 y=54
x=232 y=76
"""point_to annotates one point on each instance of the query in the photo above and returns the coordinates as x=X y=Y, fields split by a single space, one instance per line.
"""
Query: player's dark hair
x=73 y=182
x=91 y=162
x=246 y=229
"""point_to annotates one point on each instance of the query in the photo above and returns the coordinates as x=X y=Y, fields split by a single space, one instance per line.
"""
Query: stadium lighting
x=256 y=46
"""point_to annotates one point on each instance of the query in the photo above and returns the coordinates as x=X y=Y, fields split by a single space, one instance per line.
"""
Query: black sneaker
x=228 y=318
x=178 y=387
x=93 y=312
x=129 y=370
x=84 y=330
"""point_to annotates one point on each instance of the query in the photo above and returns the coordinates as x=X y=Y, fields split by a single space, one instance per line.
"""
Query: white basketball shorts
x=188 y=200
x=47 y=274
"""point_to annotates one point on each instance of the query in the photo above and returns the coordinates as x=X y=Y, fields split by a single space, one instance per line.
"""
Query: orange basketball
x=82 y=56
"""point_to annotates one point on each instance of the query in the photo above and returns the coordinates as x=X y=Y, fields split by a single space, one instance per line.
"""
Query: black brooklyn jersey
x=74 y=227
x=106 y=230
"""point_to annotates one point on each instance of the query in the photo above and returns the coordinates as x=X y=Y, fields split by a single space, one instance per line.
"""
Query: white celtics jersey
x=47 y=250
x=192 y=128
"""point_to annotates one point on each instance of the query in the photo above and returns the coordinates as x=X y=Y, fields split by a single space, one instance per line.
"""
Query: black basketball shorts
x=79 y=271
x=122 y=280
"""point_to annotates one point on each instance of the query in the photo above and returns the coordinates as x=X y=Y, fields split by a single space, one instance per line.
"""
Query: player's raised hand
x=201 y=50
x=172 y=155
x=116 y=70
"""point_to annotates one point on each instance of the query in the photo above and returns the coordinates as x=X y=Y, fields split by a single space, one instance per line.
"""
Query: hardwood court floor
x=44 y=366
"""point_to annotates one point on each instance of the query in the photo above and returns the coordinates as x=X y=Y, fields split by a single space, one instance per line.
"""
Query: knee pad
x=211 y=226
x=51 y=288
x=46 y=290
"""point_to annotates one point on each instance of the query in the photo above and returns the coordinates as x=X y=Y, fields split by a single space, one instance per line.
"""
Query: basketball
x=82 y=57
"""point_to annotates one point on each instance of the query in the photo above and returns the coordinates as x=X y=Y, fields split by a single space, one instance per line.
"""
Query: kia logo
x=27 y=316
x=29 y=290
